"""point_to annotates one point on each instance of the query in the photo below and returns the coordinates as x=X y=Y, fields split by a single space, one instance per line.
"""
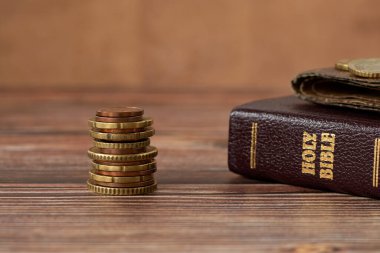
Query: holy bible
x=295 y=142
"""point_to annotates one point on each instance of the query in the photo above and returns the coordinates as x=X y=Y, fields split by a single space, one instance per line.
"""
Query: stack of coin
x=122 y=158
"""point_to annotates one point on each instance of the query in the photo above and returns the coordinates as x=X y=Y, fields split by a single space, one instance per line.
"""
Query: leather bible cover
x=339 y=88
x=295 y=142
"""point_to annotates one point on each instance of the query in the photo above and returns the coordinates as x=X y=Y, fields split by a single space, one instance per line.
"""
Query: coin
x=123 y=163
x=117 y=151
x=124 y=168
x=95 y=154
x=118 y=120
x=342 y=64
x=121 y=191
x=121 y=125
x=367 y=68
x=122 y=145
x=121 y=167
x=123 y=137
x=124 y=174
x=119 y=180
x=125 y=185
x=119 y=131
x=117 y=112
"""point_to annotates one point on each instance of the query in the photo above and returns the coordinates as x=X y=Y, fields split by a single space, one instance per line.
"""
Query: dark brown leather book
x=295 y=142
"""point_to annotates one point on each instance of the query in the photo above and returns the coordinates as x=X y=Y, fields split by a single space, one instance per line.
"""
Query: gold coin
x=368 y=68
x=122 y=145
x=124 y=185
x=119 y=131
x=120 y=180
x=118 y=120
x=124 y=174
x=117 y=151
x=95 y=154
x=124 y=168
x=124 y=125
x=123 y=137
x=119 y=112
x=342 y=64
x=124 y=163
x=121 y=191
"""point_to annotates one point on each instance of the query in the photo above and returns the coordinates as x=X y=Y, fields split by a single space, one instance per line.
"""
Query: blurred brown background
x=177 y=45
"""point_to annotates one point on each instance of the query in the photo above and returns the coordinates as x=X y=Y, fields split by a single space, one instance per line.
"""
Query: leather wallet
x=339 y=88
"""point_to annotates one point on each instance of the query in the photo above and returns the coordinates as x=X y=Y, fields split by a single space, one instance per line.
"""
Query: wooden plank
x=212 y=218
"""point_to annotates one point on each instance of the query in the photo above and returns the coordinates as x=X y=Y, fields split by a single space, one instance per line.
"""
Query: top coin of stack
x=122 y=158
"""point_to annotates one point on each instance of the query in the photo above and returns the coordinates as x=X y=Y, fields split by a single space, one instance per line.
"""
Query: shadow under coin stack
x=122 y=158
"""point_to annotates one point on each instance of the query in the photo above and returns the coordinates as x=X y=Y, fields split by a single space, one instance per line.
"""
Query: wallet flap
x=340 y=88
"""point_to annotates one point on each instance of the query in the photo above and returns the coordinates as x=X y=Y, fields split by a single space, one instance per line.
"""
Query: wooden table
x=200 y=205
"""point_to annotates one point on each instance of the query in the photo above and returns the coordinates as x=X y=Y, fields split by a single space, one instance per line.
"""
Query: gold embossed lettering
x=326 y=165
x=326 y=157
x=308 y=168
x=309 y=146
x=326 y=174
x=309 y=141
x=308 y=155
x=328 y=142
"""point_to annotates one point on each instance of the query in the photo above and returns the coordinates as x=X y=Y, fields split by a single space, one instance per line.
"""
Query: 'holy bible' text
x=310 y=161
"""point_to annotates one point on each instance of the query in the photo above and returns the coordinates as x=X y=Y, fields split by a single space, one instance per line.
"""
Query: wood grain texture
x=200 y=206
x=192 y=44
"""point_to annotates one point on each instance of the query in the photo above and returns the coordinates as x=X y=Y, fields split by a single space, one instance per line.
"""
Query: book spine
x=310 y=152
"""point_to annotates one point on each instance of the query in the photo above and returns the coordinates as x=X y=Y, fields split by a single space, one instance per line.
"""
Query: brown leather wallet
x=339 y=88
